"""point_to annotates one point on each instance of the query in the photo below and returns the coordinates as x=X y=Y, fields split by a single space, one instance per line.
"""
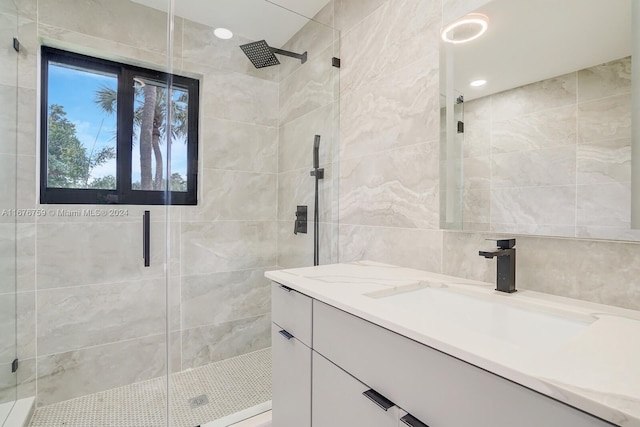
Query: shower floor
x=231 y=385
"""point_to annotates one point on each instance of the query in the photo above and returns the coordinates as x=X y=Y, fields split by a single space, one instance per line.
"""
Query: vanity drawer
x=338 y=400
x=291 y=388
x=438 y=389
x=291 y=310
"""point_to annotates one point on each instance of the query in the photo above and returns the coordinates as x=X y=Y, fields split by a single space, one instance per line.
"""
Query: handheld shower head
x=316 y=151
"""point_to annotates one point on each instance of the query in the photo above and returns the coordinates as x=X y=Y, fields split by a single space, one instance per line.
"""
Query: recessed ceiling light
x=223 y=33
x=466 y=29
x=478 y=83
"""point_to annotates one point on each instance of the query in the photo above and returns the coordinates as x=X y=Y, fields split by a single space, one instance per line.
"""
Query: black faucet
x=506 y=253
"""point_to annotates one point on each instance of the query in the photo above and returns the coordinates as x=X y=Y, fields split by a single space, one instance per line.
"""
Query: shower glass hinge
x=335 y=62
x=16 y=44
x=14 y=366
x=460 y=127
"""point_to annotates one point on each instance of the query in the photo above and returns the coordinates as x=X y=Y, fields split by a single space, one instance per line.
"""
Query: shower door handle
x=146 y=237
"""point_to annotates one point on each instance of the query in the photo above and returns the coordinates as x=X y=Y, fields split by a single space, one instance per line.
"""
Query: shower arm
x=302 y=57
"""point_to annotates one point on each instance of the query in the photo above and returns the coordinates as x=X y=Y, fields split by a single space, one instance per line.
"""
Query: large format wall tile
x=296 y=250
x=350 y=12
x=94 y=253
x=9 y=62
x=7 y=327
x=308 y=88
x=91 y=315
x=239 y=146
x=604 y=162
x=117 y=20
x=398 y=110
x=136 y=54
x=598 y=271
x=547 y=94
x=212 y=343
x=387 y=189
x=13 y=125
x=212 y=247
x=77 y=373
x=314 y=38
x=223 y=297
x=406 y=247
x=26 y=322
x=7 y=258
x=553 y=205
x=567 y=267
x=604 y=205
x=476 y=213
x=297 y=188
x=544 y=129
x=395 y=35
x=26 y=257
x=201 y=46
x=8 y=184
x=26 y=8
x=461 y=257
x=551 y=166
x=231 y=195
x=605 y=119
x=477 y=173
x=296 y=139
x=600 y=81
x=27 y=378
x=8 y=382
x=238 y=97
x=477 y=124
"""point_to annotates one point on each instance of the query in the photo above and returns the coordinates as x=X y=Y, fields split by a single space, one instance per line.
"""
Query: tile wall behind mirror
x=546 y=147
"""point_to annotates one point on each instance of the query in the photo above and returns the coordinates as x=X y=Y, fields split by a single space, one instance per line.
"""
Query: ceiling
x=528 y=41
x=275 y=21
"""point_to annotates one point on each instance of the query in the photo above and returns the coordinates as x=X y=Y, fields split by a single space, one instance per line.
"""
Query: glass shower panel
x=8 y=207
x=101 y=317
x=266 y=93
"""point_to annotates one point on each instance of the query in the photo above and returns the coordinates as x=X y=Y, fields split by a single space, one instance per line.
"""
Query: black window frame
x=123 y=194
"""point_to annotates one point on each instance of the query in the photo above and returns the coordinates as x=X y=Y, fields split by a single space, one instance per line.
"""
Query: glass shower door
x=8 y=213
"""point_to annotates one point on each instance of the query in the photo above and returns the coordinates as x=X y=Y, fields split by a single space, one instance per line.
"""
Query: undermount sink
x=522 y=327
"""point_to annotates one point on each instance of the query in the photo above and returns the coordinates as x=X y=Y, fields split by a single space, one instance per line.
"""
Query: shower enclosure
x=101 y=338
x=8 y=218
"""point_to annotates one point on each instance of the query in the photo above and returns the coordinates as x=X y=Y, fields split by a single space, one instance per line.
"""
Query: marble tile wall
x=97 y=308
x=562 y=142
x=228 y=241
x=389 y=132
x=9 y=121
x=308 y=105
x=578 y=267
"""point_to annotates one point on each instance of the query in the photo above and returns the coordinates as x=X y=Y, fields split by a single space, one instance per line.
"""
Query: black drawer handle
x=285 y=334
x=285 y=288
x=412 y=421
x=379 y=399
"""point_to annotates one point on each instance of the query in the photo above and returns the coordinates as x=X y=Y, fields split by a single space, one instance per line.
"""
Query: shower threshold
x=235 y=388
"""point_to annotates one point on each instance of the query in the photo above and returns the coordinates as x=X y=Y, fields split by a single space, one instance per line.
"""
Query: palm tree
x=150 y=119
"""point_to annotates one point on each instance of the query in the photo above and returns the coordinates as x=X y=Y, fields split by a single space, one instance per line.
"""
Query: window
x=115 y=133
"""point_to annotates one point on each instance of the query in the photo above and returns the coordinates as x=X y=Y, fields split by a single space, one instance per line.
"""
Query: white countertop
x=597 y=371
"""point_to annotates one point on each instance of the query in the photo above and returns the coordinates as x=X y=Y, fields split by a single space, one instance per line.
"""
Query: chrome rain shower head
x=262 y=55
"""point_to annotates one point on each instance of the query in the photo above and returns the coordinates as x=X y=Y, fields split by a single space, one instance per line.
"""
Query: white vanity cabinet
x=438 y=389
x=291 y=354
x=320 y=380
x=339 y=400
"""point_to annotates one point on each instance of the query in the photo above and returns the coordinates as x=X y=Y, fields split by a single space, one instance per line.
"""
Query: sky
x=75 y=91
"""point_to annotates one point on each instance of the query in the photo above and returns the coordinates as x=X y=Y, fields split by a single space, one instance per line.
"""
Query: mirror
x=544 y=147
